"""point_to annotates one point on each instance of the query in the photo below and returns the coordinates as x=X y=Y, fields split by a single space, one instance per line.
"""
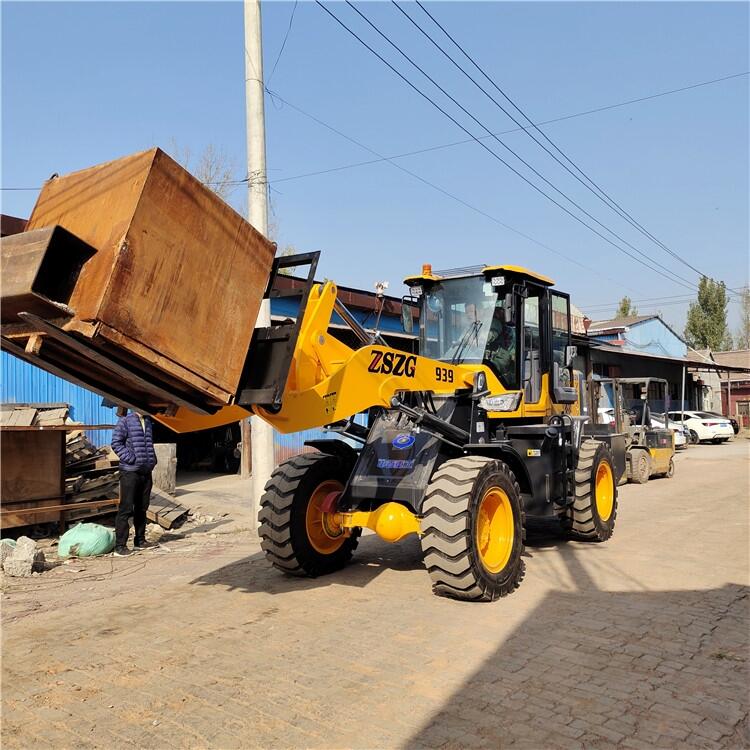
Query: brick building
x=735 y=386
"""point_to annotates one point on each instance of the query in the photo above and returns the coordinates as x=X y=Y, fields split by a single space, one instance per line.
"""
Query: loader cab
x=505 y=317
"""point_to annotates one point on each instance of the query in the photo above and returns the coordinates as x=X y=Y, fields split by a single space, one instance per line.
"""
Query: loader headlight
x=506 y=402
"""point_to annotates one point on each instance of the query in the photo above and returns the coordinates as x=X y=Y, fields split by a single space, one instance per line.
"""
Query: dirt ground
x=637 y=643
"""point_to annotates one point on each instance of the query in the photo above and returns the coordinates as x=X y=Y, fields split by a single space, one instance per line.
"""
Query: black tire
x=283 y=513
x=717 y=441
x=450 y=528
x=640 y=466
x=670 y=471
x=582 y=520
x=694 y=439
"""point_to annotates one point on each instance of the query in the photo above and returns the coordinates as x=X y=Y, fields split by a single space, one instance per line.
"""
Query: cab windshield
x=462 y=322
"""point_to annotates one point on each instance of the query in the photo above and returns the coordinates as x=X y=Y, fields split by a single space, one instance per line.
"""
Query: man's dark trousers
x=135 y=493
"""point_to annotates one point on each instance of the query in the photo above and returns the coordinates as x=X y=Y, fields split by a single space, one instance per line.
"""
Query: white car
x=607 y=416
x=680 y=438
x=705 y=426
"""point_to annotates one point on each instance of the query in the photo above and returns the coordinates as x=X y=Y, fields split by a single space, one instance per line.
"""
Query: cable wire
x=464 y=141
x=589 y=183
x=283 y=44
x=530 y=167
x=687 y=285
x=439 y=189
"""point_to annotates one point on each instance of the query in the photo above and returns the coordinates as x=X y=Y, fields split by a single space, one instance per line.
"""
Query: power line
x=439 y=189
x=530 y=167
x=283 y=44
x=589 y=183
x=551 y=121
x=485 y=147
x=464 y=141
x=681 y=297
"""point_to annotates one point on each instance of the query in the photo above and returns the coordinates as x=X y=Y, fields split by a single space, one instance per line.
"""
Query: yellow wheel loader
x=466 y=441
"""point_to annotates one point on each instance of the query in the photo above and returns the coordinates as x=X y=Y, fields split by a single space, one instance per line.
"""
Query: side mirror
x=407 y=322
x=570 y=354
x=508 y=308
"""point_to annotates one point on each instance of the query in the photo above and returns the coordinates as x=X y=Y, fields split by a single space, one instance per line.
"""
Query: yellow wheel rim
x=604 y=490
x=495 y=529
x=323 y=533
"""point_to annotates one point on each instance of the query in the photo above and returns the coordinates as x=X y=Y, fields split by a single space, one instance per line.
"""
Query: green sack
x=86 y=540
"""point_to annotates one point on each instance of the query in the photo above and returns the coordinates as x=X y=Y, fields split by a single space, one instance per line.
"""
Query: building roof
x=618 y=324
x=696 y=363
x=737 y=358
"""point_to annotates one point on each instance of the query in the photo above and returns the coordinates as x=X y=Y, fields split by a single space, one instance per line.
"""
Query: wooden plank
x=57 y=427
x=34 y=344
x=29 y=513
x=98 y=510
x=163 y=510
x=49 y=417
x=59 y=507
x=19 y=417
x=44 y=405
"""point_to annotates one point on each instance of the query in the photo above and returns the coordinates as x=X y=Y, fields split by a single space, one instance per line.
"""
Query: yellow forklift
x=649 y=450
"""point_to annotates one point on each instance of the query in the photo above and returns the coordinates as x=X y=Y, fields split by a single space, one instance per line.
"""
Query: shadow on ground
x=372 y=557
x=592 y=669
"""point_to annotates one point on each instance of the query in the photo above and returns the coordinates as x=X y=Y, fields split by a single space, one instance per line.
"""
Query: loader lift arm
x=298 y=377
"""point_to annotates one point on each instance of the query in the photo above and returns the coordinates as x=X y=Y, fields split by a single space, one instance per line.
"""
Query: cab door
x=561 y=386
x=533 y=360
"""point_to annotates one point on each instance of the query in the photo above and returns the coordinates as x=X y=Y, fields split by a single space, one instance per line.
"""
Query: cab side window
x=532 y=350
x=560 y=328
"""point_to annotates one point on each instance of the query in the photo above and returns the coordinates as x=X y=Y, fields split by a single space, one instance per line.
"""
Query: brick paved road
x=638 y=643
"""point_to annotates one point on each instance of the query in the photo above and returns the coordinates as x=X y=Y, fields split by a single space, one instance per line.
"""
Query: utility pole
x=256 y=434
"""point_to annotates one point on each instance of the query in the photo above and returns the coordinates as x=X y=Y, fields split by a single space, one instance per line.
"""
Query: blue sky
x=87 y=82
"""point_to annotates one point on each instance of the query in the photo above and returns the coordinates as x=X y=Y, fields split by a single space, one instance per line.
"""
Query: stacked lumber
x=33 y=415
x=91 y=473
x=164 y=510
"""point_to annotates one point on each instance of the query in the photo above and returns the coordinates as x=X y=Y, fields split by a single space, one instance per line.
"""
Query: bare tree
x=288 y=250
x=213 y=168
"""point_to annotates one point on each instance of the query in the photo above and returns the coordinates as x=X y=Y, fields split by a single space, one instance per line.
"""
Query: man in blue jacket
x=133 y=442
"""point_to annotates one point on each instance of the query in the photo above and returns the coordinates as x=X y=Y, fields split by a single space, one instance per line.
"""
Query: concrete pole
x=260 y=433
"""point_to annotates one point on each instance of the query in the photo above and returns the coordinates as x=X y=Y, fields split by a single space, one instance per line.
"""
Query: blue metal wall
x=25 y=384
x=286 y=446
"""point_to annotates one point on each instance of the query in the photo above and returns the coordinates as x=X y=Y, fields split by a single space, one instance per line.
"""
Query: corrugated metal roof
x=736 y=358
x=619 y=323
x=23 y=383
x=692 y=362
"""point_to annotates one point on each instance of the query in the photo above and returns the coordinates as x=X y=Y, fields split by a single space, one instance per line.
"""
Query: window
x=458 y=315
x=463 y=321
x=560 y=328
x=532 y=350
